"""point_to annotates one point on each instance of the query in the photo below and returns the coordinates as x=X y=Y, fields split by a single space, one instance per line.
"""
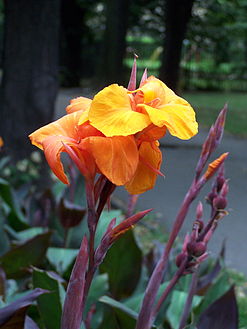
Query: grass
x=208 y=105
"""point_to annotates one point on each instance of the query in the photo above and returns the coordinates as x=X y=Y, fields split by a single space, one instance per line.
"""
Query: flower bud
x=211 y=196
x=199 y=211
x=219 y=203
x=180 y=258
x=225 y=189
x=196 y=248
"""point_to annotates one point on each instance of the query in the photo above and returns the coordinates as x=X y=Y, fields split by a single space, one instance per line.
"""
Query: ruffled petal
x=179 y=119
x=116 y=157
x=53 y=146
x=145 y=177
x=151 y=133
x=67 y=126
x=78 y=104
x=154 y=89
x=112 y=114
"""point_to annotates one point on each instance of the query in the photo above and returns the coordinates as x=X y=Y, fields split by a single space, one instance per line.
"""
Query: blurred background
x=54 y=50
x=199 y=48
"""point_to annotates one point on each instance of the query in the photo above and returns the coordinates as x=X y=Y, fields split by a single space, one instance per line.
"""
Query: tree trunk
x=72 y=31
x=114 y=41
x=30 y=71
x=177 y=16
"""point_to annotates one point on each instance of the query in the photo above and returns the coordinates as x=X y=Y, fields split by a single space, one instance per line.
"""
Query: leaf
x=30 y=233
x=17 y=261
x=123 y=264
x=126 y=317
x=14 y=313
x=30 y=324
x=15 y=217
x=70 y=214
x=61 y=258
x=50 y=305
x=220 y=286
x=4 y=241
x=223 y=313
x=104 y=221
x=176 y=307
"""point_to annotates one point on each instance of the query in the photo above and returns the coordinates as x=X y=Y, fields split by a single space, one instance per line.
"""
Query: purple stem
x=169 y=288
x=189 y=300
x=145 y=319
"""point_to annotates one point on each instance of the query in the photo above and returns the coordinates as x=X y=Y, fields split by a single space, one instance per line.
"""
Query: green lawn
x=208 y=104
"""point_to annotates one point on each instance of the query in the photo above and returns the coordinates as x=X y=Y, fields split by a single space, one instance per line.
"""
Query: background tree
x=114 y=42
x=30 y=70
x=177 y=16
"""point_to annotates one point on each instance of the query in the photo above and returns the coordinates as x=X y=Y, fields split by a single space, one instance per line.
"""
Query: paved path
x=179 y=160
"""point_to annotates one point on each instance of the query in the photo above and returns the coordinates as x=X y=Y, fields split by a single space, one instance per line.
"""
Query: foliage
x=122 y=278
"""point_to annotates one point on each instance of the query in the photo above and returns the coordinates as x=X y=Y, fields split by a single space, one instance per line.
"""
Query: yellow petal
x=116 y=157
x=111 y=113
x=66 y=126
x=145 y=177
x=78 y=104
x=179 y=119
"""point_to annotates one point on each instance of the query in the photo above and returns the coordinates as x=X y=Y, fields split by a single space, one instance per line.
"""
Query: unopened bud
x=225 y=189
x=180 y=258
x=196 y=248
x=211 y=196
x=199 y=210
x=220 y=182
x=219 y=203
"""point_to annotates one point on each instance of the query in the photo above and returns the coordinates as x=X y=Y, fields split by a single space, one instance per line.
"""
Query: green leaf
x=17 y=261
x=15 y=217
x=61 y=258
x=30 y=233
x=217 y=289
x=126 y=317
x=176 y=307
x=104 y=221
x=4 y=241
x=49 y=305
x=123 y=264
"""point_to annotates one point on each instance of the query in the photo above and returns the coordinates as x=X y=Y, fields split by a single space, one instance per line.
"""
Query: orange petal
x=78 y=104
x=53 y=146
x=67 y=126
x=151 y=133
x=111 y=113
x=145 y=177
x=116 y=157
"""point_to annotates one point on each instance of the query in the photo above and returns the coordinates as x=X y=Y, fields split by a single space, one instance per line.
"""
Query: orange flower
x=114 y=157
x=115 y=111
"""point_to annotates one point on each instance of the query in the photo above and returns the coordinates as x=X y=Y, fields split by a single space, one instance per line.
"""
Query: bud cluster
x=194 y=249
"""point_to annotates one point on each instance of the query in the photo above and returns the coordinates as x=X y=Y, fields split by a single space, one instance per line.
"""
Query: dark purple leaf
x=15 y=312
x=17 y=261
x=73 y=304
x=223 y=313
x=70 y=214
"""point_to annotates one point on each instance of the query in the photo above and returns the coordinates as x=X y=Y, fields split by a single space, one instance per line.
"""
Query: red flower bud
x=220 y=203
x=196 y=248
x=180 y=258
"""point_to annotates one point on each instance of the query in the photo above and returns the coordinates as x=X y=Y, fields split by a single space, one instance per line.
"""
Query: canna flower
x=115 y=157
x=115 y=111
